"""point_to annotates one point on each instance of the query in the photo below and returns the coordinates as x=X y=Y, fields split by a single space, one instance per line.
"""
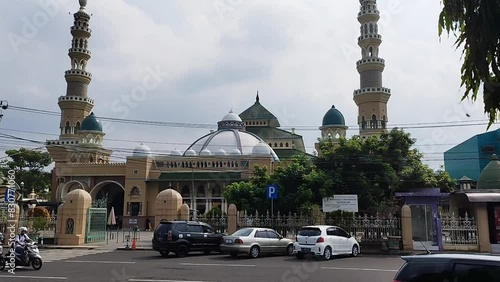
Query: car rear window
x=163 y=228
x=309 y=231
x=423 y=271
x=243 y=232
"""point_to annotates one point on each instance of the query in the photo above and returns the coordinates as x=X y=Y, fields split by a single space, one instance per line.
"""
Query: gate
x=96 y=225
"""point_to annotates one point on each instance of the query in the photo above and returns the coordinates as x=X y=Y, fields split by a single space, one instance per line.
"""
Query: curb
x=136 y=249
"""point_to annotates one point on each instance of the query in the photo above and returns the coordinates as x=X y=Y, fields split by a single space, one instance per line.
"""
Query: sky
x=207 y=57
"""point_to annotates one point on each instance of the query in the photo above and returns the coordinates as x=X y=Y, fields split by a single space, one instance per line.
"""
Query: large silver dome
x=231 y=138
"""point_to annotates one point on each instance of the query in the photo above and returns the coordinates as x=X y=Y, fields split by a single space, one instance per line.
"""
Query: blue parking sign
x=272 y=192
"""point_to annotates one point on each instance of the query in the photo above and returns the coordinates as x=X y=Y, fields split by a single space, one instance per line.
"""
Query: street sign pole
x=272 y=194
x=272 y=213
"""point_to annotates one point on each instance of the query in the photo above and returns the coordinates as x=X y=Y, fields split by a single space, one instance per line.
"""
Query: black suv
x=449 y=268
x=182 y=237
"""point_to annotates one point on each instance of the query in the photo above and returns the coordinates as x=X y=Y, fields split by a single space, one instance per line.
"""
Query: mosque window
x=366 y=28
x=200 y=191
x=77 y=127
x=275 y=144
x=370 y=51
x=67 y=128
x=286 y=144
x=371 y=28
x=70 y=224
x=136 y=171
x=270 y=144
x=216 y=191
x=363 y=123
x=135 y=191
x=73 y=158
x=373 y=122
x=185 y=192
x=281 y=144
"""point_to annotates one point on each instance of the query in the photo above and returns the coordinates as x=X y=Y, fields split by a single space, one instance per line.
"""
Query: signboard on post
x=272 y=192
x=347 y=203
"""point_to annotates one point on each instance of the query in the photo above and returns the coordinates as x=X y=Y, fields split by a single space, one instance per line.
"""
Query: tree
x=375 y=168
x=29 y=167
x=478 y=26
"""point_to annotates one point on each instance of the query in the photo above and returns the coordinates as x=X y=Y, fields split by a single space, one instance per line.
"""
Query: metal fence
x=368 y=230
x=218 y=222
x=287 y=225
x=459 y=230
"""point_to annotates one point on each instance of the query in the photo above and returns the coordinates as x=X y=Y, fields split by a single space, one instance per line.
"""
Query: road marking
x=362 y=269
x=100 y=261
x=34 y=277
x=152 y=280
x=215 y=264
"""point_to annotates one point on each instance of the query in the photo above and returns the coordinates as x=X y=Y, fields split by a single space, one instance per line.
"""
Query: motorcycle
x=31 y=253
x=2 y=258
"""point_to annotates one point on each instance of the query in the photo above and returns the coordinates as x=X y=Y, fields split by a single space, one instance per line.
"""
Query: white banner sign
x=348 y=203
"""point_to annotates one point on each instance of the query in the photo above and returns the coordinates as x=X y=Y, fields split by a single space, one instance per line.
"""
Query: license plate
x=229 y=241
x=305 y=250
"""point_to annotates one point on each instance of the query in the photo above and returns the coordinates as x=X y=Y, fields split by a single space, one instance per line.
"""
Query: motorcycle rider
x=21 y=240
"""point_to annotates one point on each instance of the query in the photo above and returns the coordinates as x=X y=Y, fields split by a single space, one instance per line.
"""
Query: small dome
x=176 y=153
x=220 y=152
x=235 y=152
x=91 y=123
x=333 y=117
x=490 y=176
x=231 y=117
x=190 y=153
x=78 y=195
x=261 y=149
x=205 y=152
x=142 y=151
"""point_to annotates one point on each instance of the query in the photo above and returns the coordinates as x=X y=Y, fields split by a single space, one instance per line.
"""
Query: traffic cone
x=133 y=244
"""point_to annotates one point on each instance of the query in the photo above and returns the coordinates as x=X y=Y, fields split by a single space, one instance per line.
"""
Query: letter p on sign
x=272 y=192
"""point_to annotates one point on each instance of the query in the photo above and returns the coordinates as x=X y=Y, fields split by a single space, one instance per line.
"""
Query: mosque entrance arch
x=70 y=186
x=114 y=192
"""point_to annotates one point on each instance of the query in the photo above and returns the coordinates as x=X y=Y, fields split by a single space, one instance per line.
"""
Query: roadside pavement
x=114 y=241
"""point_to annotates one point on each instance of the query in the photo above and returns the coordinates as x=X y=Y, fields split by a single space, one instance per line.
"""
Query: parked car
x=325 y=241
x=256 y=241
x=182 y=237
x=449 y=268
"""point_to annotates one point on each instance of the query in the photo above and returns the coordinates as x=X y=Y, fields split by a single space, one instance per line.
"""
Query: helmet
x=23 y=229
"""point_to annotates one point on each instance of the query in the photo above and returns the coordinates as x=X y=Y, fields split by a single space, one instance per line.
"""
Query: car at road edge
x=324 y=241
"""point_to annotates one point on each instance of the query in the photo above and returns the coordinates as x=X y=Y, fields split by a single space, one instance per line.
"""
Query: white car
x=325 y=241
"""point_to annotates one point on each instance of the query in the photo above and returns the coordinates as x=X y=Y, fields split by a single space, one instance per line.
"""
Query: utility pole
x=4 y=105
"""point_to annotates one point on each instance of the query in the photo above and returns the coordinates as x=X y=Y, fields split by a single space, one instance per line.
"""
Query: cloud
x=301 y=57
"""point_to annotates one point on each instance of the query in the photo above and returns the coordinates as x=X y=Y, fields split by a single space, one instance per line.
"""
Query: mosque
x=201 y=172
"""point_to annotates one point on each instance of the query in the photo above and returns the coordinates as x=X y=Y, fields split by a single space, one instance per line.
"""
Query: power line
x=296 y=127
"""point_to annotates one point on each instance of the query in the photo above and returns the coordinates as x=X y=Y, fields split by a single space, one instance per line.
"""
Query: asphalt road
x=149 y=266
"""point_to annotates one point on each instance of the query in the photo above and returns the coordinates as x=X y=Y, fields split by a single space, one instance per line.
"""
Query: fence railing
x=368 y=230
x=458 y=230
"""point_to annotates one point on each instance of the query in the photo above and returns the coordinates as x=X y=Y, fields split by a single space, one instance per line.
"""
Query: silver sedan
x=255 y=241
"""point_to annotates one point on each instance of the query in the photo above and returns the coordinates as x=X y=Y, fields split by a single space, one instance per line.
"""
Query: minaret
x=371 y=98
x=75 y=105
x=81 y=137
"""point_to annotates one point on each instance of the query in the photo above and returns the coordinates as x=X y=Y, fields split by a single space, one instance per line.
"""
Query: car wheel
x=300 y=255
x=2 y=263
x=181 y=251
x=36 y=263
x=355 y=251
x=289 y=250
x=164 y=253
x=254 y=252
x=233 y=254
x=327 y=254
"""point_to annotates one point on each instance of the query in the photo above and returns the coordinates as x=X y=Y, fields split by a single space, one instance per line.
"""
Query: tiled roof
x=267 y=132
